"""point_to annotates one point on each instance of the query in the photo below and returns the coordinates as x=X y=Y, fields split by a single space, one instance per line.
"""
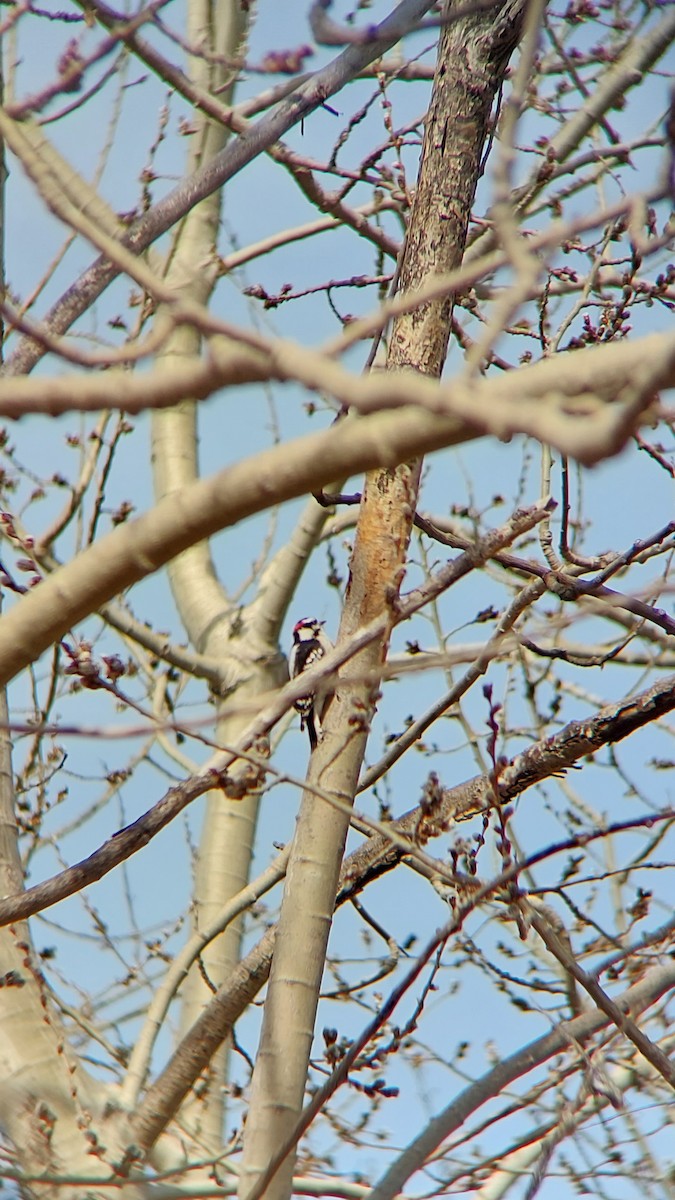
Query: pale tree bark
x=569 y=400
x=51 y=1109
x=243 y=640
x=58 y=1118
x=212 y=624
x=380 y=854
x=213 y=174
x=472 y=57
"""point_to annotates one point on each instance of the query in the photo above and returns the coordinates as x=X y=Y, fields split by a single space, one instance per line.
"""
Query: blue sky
x=626 y=498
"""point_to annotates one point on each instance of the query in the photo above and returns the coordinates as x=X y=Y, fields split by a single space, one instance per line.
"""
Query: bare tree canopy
x=337 y=383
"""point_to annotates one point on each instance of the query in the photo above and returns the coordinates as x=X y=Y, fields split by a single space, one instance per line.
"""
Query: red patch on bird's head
x=306 y=623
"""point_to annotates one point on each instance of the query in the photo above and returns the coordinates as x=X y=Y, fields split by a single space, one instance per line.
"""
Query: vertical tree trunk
x=228 y=831
x=472 y=58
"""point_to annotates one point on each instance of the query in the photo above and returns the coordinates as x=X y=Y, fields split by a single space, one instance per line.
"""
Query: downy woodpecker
x=309 y=645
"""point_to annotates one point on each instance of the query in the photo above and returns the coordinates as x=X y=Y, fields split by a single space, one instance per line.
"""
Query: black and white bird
x=310 y=643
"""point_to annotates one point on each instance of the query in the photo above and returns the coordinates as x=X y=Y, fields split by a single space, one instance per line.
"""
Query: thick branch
x=135 y=550
x=471 y=58
x=212 y=175
x=544 y=759
x=130 y=839
x=585 y=404
x=379 y=855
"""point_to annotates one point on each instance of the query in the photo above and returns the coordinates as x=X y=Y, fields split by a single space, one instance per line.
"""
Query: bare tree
x=438 y=947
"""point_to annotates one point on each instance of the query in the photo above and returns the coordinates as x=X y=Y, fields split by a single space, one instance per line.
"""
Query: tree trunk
x=472 y=58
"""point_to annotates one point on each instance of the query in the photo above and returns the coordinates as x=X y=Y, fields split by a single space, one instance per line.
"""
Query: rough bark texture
x=472 y=59
x=472 y=56
x=376 y=857
x=546 y=758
